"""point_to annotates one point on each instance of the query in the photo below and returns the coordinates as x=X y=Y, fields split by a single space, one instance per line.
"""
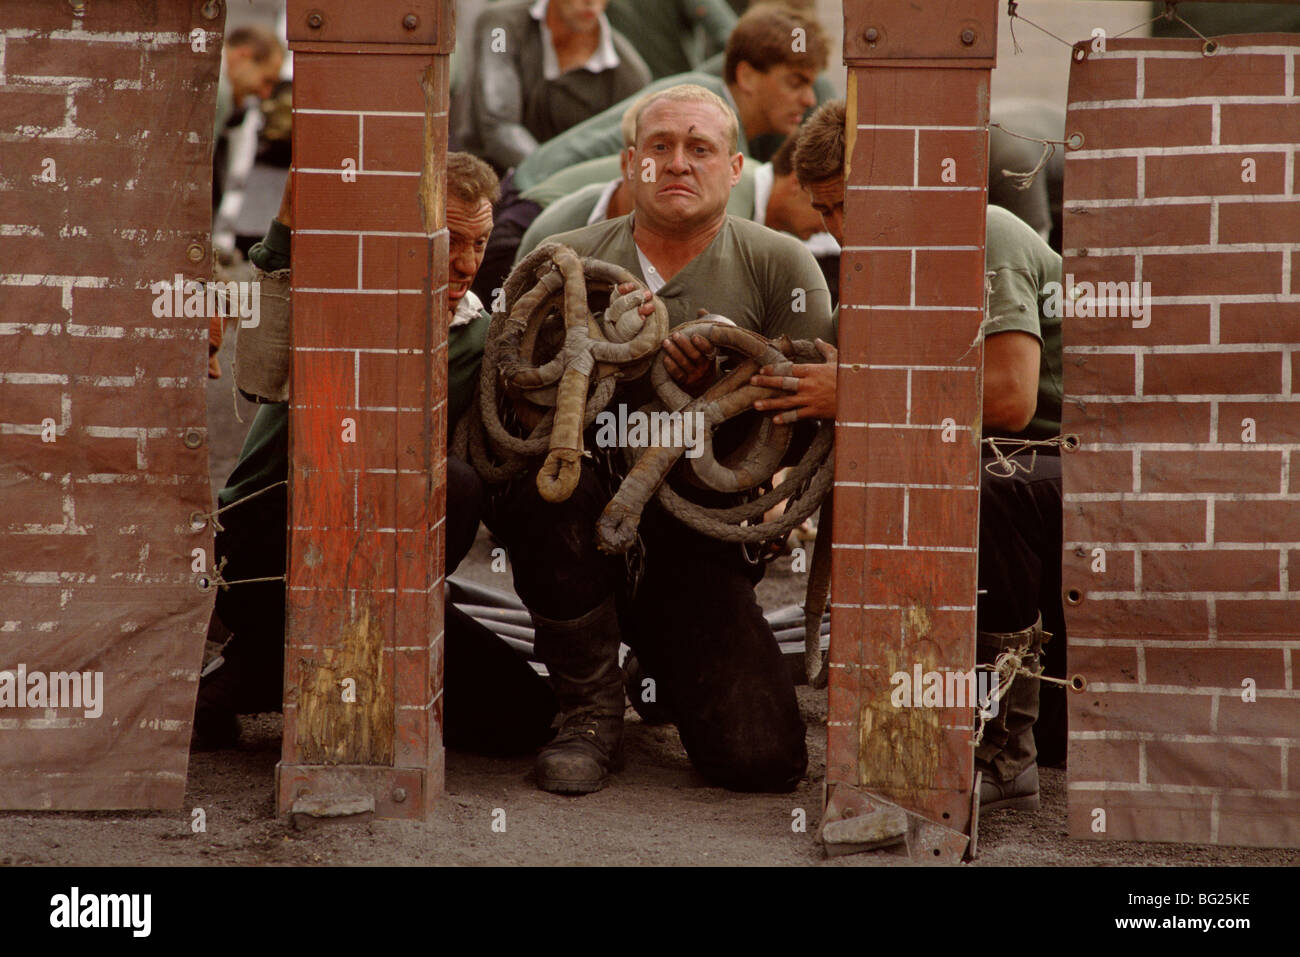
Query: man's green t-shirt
x=1022 y=265
x=760 y=279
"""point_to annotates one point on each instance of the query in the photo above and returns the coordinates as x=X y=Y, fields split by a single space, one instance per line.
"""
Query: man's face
x=248 y=77
x=828 y=199
x=468 y=227
x=784 y=93
x=796 y=212
x=681 y=170
x=579 y=16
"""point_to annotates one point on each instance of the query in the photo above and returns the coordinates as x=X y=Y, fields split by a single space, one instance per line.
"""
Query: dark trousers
x=692 y=621
x=1020 y=571
x=494 y=702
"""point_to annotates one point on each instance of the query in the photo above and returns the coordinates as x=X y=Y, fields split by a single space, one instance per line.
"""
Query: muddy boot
x=1006 y=754
x=582 y=658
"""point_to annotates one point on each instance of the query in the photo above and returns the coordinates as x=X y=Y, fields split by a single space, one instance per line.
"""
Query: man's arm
x=1011 y=361
x=499 y=100
x=715 y=16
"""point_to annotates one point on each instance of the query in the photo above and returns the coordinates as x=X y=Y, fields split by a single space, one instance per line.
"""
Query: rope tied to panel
x=1170 y=13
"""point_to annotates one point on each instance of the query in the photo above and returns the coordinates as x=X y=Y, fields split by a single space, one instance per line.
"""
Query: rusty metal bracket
x=924 y=30
x=856 y=820
x=423 y=22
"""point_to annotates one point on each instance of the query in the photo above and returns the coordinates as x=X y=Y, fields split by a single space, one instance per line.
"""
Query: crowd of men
x=685 y=152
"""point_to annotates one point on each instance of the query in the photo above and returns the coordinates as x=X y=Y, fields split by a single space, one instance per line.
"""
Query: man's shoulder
x=582 y=196
x=762 y=241
x=596 y=236
x=1012 y=242
x=567 y=214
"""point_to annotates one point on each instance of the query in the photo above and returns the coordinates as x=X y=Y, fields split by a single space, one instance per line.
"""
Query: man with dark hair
x=494 y=702
x=542 y=67
x=1020 y=514
x=692 y=619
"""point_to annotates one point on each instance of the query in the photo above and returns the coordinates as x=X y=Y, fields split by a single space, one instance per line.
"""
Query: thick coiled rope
x=558 y=365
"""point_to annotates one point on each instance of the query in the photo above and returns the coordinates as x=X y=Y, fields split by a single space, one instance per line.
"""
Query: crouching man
x=692 y=619
x=1020 y=512
x=494 y=702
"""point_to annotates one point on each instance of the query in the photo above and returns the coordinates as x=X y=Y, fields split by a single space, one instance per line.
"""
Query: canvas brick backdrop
x=1182 y=514
x=368 y=410
x=105 y=169
x=906 y=492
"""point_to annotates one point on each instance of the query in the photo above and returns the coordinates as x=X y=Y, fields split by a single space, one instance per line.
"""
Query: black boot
x=1006 y=754
x=581 y=656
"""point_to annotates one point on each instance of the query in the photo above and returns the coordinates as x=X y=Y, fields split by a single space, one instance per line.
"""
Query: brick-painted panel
x=103 y=458
x=906 y=507
x=1181 y=506
x=368 y=422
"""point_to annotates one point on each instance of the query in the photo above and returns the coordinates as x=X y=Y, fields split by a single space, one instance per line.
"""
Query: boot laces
x=581 y=722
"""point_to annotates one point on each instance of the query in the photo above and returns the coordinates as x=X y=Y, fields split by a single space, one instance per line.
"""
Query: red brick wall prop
x=1182 y=506
x=908 y=424
x=105 y=169
x=363 y=666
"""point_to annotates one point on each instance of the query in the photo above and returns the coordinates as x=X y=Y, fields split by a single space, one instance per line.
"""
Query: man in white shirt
x=541 y=68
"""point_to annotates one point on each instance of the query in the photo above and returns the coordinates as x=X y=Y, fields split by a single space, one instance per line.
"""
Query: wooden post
x=908 y=424
x=363 y=658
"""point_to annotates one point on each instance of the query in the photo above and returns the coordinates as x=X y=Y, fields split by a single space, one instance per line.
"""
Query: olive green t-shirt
x=760 y=279
x=1022 y=265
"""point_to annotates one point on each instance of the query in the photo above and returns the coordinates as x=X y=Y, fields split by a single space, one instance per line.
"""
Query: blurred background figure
x=541 y=67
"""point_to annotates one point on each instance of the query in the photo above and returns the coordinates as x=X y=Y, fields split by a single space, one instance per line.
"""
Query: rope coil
x=552 y=363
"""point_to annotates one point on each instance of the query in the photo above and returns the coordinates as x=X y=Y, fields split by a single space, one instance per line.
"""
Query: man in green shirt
x=494 y=702
x=692 y=620
x=1020 y=513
